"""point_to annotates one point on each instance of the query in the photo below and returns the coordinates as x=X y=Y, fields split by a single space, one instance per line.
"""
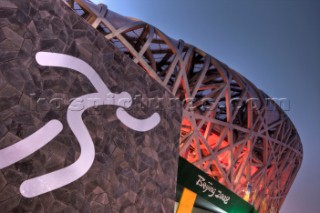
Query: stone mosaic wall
x=133 y=171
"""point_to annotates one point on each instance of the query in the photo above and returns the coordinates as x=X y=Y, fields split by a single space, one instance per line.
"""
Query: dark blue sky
x=274 y=43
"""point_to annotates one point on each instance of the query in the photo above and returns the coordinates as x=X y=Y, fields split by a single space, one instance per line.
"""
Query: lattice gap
x=103 y=29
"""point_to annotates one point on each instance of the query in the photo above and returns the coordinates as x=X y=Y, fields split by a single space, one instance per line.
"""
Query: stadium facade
x=105 y=113
x=230 y=129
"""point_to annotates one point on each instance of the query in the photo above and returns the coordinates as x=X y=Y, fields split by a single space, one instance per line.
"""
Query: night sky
x=273 y=43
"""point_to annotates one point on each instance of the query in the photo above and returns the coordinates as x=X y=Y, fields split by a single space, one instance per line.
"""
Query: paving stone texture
x=133 y=171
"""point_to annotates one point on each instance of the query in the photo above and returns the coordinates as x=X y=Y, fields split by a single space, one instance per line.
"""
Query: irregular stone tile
x=8 y=192
x=10 y=204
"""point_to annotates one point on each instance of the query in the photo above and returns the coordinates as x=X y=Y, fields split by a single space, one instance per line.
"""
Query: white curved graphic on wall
x=30 y=144
x=51 y=181
x=137 y=124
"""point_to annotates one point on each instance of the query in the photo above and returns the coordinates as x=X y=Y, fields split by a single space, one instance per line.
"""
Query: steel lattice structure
x=231 y=130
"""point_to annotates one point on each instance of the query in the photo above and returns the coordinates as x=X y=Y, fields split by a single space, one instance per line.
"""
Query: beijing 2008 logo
x=20 y=150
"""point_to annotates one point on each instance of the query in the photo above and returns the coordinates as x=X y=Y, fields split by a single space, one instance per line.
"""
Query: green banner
x=211 y=190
